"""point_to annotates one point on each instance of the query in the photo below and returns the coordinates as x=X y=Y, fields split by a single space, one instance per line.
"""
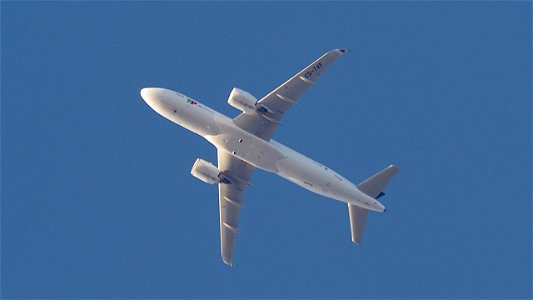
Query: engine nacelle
x=243 y=101
x=205 y=171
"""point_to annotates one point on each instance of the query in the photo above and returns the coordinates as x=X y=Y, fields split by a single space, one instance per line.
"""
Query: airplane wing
x=238 y=173
x=277 y=102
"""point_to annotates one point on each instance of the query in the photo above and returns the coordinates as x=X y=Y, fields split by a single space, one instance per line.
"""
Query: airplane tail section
x=373 y=187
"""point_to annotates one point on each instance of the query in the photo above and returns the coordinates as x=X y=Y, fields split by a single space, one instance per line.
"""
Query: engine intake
x=243 y=101
x=205 y=171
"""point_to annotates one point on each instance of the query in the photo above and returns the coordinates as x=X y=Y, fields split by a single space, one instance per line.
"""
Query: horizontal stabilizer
x=358 y=217
x=375 y=184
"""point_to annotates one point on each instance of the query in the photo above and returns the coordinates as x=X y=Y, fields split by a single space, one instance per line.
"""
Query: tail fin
x=373 y=187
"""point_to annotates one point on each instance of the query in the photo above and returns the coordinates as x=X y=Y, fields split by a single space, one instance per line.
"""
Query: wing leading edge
x=283 y=97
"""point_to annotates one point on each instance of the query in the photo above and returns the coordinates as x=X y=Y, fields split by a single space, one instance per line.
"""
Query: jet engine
x=205 y=171
x=243 y=101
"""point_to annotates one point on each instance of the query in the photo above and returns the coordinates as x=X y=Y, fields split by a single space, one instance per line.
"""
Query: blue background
x=97 y=199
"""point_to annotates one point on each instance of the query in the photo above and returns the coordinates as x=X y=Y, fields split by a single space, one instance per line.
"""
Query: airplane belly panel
x=249 y=148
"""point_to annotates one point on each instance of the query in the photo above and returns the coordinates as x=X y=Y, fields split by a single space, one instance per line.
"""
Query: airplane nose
x=153 y=97
x=149 y=94
x=145 y=92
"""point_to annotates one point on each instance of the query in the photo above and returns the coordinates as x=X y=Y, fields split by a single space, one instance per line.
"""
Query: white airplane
x=244 y=143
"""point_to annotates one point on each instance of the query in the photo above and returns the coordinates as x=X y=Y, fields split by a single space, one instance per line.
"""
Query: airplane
x=245 y=143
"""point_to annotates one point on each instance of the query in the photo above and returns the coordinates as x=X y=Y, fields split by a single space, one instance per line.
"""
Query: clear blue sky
x=98 y=201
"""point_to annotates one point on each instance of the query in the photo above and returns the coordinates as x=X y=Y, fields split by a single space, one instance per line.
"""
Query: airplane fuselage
x=270 y=156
